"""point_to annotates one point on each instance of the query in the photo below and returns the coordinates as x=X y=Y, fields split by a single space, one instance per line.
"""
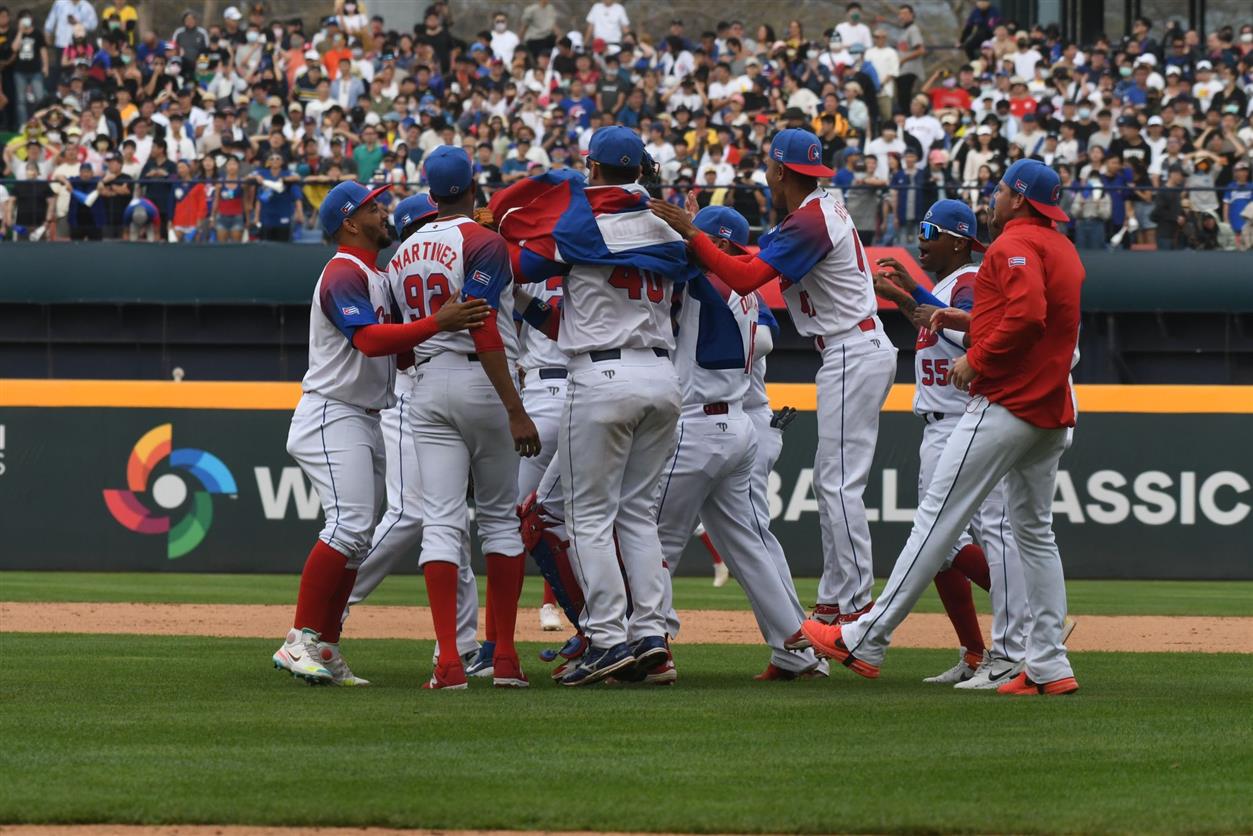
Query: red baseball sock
x=709 y=545
x=318 y=581
x=489 y=617
x=334 y=620
x=973 y=563
x=549 y=597
x=503 y=575
x=441 y=591
x=955 y=594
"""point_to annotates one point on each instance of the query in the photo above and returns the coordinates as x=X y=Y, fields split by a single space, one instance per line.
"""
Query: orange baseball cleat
x=1021 y=685
x=826 y=640
x=777 y=674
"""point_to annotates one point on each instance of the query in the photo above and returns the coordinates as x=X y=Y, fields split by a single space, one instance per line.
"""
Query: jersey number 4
x=425 y=298
x=636 y=283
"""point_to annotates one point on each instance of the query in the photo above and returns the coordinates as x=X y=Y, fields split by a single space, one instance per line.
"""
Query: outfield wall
x=1158 y=484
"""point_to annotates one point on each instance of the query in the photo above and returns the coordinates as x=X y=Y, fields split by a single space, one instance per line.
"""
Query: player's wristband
x=536 y=314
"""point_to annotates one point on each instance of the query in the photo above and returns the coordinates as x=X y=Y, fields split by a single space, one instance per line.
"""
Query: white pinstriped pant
x=988 y=444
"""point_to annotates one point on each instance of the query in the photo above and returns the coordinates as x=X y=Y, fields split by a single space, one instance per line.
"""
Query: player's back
x=717 y=340
x=825 y=272
x=606 y=307
x=349 y=294
x=453 y=259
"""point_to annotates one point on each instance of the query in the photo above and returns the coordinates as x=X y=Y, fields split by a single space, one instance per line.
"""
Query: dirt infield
x=249 y=830
x=1181 y=634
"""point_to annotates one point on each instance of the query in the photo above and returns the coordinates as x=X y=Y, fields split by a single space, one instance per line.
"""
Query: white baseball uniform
x=334 y=434
x=757 y=408
x=711 y=471
x=399 y=533
x=941 y=406
x=617 y=428
x=459 y=424
x=830 y=296
x=544 y=376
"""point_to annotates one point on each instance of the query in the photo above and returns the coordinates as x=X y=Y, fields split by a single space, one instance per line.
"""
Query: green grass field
x=1086 y=597
x=137 y=729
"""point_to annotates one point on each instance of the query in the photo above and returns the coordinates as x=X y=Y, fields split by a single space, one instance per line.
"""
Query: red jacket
x=1025 y=322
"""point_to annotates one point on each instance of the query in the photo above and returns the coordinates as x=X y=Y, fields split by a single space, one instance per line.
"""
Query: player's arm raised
x=743 y=274
x=487 y=275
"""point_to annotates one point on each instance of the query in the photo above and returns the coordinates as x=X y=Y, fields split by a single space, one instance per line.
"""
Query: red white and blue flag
x=558 y=217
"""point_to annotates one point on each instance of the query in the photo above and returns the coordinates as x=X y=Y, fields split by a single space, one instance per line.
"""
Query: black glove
x=783 y=418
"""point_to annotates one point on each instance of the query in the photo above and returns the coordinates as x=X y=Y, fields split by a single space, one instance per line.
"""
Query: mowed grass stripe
x=1118 y=597
x=169 y=730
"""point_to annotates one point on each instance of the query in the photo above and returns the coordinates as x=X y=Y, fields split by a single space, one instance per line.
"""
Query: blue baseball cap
x=341 y=201
x=799 y=150
x=723 y=222
x=448 y=170
x=412 y=209
x=1039 y=184
x=617 y=146
x=957 y=219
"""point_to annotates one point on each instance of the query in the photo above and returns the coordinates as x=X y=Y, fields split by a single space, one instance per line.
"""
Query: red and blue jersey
x=350 y=294
x=934 y=354
x=823 y=268
x=454 y=258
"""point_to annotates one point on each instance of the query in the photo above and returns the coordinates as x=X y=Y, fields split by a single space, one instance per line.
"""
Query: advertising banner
x=195 y=478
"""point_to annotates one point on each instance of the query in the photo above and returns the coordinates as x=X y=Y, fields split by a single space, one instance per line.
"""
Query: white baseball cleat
x=992 y=674
x=960 y=672
x=299 y=656
x=721 y=573
x=334 y=662
x=549 y=618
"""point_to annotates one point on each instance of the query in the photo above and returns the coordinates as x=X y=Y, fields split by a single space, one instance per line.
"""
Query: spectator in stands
x=114 y=193
x=1238 y=205
x=1092 y=208
x=1167 y=214
x=278 y=204
x=911 y=48
x=31 y=64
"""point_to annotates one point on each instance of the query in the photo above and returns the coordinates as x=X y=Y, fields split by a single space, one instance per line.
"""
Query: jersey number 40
x=635 y=283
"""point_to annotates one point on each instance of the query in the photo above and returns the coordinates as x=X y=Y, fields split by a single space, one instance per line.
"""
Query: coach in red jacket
x=1022 y=337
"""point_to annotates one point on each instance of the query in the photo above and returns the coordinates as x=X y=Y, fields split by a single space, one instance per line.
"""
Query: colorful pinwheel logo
x=170 y=490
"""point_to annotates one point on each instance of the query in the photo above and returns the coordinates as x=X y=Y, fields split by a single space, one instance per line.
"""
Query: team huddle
x=639 y=339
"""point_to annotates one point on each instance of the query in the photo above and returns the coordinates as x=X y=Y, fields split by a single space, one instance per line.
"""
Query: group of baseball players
x=639 y=339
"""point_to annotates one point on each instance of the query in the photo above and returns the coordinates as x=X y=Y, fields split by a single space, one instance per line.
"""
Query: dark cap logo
x=625 y=159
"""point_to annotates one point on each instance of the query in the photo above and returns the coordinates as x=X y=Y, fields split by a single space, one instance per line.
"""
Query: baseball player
x=946 y=238
x=710 y=473
x=398 y=534
x=622 y=398
x=466 y=415
x=1023 y=332
x=335 y=435
x=543 y=371
x=829 y=291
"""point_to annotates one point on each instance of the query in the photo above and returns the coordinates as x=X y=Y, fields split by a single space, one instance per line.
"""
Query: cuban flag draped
x=558 y=217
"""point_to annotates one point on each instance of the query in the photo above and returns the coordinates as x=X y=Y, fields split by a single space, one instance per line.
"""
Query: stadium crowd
x=237 y=127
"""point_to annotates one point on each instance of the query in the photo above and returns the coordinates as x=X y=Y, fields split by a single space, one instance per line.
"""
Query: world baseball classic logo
x=181 y=480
